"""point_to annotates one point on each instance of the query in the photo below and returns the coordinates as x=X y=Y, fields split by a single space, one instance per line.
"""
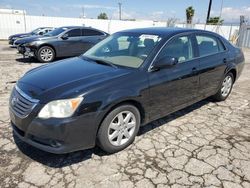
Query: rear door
x=213 y=58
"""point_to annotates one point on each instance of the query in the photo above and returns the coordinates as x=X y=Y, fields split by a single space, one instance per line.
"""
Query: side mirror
x=65 y=37
x=165 y=62
x=40 y=33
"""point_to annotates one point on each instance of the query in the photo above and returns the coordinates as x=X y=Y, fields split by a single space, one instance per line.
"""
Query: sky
x=160 y=10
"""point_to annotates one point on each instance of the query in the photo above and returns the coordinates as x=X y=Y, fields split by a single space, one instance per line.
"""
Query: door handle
x=194 y=69
x=224 y=60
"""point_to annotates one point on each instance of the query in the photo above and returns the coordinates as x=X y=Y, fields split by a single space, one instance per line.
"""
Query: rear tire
x=225 y=88
x=46 y=54
x=119 y=128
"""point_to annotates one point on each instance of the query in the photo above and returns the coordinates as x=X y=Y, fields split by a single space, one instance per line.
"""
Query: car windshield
x=125 y=49
x=55 y=32
x=36 y=30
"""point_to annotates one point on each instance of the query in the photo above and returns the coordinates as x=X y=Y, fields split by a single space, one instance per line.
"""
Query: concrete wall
x=12 y=24
x=19 y=23
x=228 y=31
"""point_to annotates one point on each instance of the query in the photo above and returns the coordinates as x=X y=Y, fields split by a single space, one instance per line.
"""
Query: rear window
x=208 y=45
x=90 y=32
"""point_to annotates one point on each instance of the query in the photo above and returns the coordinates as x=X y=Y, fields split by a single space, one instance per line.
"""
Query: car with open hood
x=61 y=42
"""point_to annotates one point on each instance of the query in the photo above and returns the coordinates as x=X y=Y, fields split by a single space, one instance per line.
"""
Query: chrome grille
x=21 y=104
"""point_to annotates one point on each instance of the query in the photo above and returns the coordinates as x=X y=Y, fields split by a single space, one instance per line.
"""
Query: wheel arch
x=133 y=102
x=46 y=44
x=234 y=72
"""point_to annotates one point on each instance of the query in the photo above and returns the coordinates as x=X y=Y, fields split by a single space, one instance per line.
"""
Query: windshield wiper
x=100 y=61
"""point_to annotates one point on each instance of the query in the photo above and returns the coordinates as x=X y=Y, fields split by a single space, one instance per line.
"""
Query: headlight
x=60 y=108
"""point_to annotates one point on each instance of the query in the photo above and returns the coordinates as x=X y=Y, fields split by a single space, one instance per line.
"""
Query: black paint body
x=156 y=93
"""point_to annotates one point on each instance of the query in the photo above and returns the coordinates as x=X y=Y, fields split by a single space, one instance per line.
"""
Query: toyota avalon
x=126 y=81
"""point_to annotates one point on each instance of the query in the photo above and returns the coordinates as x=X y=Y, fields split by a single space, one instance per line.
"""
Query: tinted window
x=74 y=33
x=56 y=32
x=207 y=45
x=180 y=48
x=90 y=32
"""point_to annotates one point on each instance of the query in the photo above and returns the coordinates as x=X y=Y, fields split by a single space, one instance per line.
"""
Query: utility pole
x=120 y=11
x=83 y=13
x=209 y=9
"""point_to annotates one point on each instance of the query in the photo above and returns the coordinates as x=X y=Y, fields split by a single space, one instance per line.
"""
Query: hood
x=31 y=39
x=67 y=78
x=19 y=35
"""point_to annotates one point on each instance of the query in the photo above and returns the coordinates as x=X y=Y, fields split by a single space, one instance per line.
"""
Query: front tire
x=46 y=54
x=225 y=88
x=119 y=128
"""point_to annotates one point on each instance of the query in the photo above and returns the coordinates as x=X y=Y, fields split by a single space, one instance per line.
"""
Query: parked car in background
x=38 y=31
x=127 y=80
x=61 y=42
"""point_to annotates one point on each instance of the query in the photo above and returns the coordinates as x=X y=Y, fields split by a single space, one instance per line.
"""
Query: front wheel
x=119 y=128
x=46 y=54
x=225 y=88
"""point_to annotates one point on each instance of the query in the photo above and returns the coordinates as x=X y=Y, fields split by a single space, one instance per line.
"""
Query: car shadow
x=62 y=160
x=159 y=122
x=27 y=60
x=56 y=160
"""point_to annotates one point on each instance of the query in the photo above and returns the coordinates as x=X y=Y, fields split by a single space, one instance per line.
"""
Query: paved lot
x=204 y=145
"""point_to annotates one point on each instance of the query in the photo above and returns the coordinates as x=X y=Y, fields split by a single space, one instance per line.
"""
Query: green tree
x=190 y=14
x=215 y=21
x=103 y=16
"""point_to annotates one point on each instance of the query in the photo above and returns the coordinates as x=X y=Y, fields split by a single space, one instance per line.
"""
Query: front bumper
x=57 y=135
x=26 y=51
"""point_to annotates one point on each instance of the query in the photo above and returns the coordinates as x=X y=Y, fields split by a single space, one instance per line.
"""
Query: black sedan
x=127 y=80
x=38 y=31
x=61 y=42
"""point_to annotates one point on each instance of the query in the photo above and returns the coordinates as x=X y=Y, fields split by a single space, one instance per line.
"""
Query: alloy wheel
x=46 y=54
x=226 y=86
x=121 y=128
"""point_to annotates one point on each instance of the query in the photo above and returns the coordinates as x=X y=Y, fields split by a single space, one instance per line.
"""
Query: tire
x=114 y=133
x=227 y=84
x=46 y=54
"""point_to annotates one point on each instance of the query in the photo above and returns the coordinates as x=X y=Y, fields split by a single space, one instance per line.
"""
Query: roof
x=161 y=30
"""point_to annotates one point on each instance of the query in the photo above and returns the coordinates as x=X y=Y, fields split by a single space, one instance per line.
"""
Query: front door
x=70 y=44
x=172 y=88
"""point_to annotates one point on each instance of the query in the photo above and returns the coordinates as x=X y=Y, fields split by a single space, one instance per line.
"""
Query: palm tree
x=190 y=14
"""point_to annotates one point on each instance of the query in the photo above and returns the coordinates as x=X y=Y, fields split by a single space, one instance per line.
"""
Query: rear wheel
x=225 y=88
x=46 y=54
x=119 y=128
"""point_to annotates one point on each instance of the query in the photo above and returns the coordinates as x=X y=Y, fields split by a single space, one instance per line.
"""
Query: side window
x=90 y=32
x=180 y=48
x=208 y=45
x=74 y=33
